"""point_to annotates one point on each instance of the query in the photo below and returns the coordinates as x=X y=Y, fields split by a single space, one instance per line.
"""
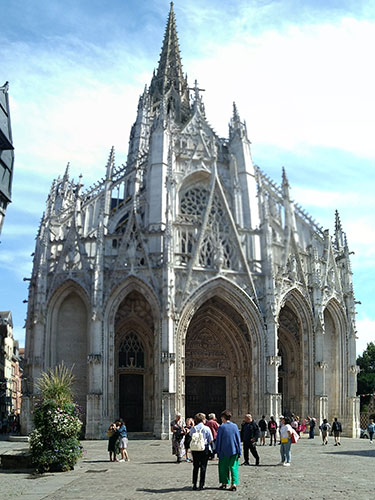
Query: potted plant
x=54 y=442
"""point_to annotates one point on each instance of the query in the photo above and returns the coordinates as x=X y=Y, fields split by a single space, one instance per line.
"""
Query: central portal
x=205 y=394
x=218 y=370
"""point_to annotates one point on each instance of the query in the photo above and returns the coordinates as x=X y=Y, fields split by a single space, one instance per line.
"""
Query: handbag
x=295 y=437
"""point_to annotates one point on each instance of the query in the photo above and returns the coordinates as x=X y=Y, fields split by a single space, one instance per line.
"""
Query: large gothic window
x=217 y=246
x=131 y=352
x=192 y=205
x=194 y=201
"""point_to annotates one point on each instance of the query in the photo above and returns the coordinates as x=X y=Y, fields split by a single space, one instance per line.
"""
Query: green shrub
x=54 y=443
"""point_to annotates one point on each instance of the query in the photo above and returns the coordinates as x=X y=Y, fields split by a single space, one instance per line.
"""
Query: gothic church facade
x=188 y=281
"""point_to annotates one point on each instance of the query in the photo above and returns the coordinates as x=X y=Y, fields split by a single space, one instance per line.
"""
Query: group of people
x=118 y=441
x=203 y=439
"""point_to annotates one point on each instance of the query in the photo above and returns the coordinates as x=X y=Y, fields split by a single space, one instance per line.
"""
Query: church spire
x=169 y=72
x=169 y=81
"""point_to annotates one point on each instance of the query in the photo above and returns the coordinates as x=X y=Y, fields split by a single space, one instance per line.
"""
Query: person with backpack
x=337 y=430
x=272 y=428
x=200 y=446
x=325 y=427
x=249 y=436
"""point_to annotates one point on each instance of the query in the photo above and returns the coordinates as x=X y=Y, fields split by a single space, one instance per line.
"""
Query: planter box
x=16 y=459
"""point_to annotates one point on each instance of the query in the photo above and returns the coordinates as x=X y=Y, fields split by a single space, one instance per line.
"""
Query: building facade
x=6 y=153
x=10 y=372
x=187 y=280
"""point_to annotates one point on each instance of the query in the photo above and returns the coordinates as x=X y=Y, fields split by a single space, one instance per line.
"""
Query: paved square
x=317 y=472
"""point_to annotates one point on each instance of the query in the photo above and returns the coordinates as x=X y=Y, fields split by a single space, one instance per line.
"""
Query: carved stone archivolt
x=218 y=342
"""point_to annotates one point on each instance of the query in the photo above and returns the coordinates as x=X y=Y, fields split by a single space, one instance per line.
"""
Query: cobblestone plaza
x=317 y=472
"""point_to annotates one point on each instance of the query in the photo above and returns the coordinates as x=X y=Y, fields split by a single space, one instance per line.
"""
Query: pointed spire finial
x=285 y=181
x=338 y=226
x=66 y=174
x=340 y=236
x=236 y=116
x=110 y=163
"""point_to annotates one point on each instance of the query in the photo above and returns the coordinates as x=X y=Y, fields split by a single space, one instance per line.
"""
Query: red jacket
x=213 y=425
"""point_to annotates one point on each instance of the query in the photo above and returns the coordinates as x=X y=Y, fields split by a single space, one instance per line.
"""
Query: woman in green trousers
x=228 y=447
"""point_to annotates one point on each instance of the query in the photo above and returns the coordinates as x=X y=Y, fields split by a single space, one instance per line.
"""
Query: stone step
x=140 y=435
x=18 y=439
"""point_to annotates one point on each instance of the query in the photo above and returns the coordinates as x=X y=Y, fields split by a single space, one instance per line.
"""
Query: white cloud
x=365 y=333
x=305 y=85
x=325 y=199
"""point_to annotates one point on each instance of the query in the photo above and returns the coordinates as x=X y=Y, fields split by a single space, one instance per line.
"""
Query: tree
x=366 y=377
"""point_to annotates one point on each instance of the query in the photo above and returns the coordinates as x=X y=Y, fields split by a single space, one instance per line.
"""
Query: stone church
x=187 y=280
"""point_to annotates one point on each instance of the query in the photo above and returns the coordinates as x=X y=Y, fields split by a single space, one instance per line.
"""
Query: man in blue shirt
x=200 y=458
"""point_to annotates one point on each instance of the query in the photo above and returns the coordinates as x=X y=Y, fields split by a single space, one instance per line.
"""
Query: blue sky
x=301 y=74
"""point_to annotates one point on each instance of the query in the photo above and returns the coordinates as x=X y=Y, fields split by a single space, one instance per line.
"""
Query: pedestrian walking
x=272 y=428
x=337 y=430
x=371 y=429
x=324 y=428
x=262 y=424
x=201 y=438
x=249 y=437
x=178 y=436
x=286 y=432
x=228 y=447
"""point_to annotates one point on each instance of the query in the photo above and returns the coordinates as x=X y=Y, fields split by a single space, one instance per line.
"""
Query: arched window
x=131 y=353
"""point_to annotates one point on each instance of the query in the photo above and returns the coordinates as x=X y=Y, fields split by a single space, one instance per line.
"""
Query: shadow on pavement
x=359 y=453
x=96 y=461
x=163 y=462
x=172 y=490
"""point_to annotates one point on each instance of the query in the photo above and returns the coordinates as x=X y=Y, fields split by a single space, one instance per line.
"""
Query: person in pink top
x=213 y=425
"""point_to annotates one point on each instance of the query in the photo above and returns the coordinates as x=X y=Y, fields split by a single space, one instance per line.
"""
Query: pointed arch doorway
x=131 y=365
x=217 y=361
x=134 y=363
